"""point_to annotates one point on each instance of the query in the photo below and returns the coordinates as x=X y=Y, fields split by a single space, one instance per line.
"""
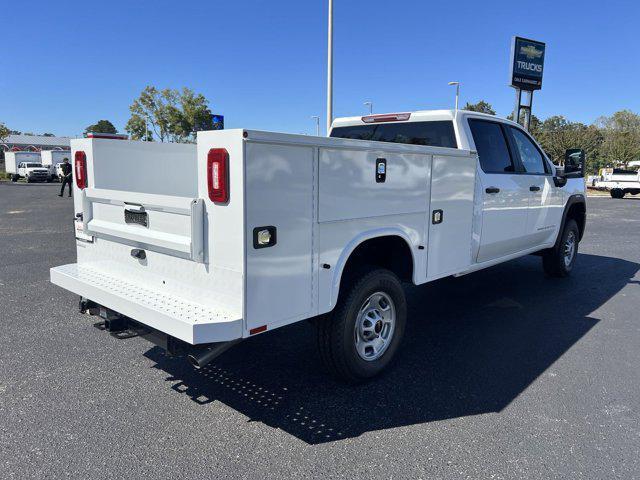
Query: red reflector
x=253 y=331
x=112 y=136
x=81 y=169
x=218 y=175
x=387 y=117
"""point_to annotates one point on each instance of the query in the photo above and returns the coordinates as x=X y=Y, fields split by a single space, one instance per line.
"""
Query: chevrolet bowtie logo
x=530 y=52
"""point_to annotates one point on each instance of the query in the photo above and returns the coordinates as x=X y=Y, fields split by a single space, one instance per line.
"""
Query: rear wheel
x=14 y=178
x=361 y=336
x=617 y=193
x=558 y=262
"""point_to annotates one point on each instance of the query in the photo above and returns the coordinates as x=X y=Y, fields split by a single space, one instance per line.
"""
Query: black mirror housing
x=574 y=163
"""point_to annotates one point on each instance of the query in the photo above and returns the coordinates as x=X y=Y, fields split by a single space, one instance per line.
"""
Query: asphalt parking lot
x=504 y=374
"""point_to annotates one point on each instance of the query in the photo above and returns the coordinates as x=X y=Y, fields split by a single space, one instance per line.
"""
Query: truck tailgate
x=168 y=224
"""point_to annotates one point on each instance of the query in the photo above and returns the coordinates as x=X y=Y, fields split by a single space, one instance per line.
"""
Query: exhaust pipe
x=204 y=355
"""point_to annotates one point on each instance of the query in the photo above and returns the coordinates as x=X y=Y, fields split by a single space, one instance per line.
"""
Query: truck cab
x=521 y=195
x=32 y=172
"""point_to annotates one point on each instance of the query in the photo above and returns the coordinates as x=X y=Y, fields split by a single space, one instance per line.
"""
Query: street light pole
x=370 y=105
x=457 y=84
x=317 y=119
x=330 y=69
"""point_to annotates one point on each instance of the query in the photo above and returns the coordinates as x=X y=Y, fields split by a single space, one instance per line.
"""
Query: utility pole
x=457 y=84
x=370 y=105
x=330 y=69
x=317 y=119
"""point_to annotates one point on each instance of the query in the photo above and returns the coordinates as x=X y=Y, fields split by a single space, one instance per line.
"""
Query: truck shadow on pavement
x=472 y=345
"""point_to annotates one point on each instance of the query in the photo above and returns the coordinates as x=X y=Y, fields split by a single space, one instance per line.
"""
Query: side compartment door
x=279 y=202
x=451 y=217
x=505 y=197
x=545 y=199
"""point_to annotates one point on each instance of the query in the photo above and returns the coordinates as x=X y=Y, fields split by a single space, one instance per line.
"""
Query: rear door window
x=434 y=134
x=491 y=145
x=530 y=156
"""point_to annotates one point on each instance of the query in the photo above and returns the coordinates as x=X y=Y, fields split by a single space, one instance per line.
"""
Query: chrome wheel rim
x=569 y=248
x=375 y=326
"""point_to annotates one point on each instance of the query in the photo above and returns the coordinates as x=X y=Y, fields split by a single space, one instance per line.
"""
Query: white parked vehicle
x=618 y=181
x=261 y=229
x=25 y=165
x=51 y=159
x=59 y=172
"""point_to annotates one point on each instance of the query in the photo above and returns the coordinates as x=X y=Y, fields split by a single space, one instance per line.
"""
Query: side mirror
x=574 y=160
x=560 y=180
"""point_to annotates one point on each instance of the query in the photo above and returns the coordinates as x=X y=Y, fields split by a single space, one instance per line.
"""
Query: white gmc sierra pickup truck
x=259 y=230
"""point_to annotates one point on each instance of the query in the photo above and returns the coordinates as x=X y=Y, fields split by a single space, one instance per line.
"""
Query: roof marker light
x=387 y=117
x=110 y=136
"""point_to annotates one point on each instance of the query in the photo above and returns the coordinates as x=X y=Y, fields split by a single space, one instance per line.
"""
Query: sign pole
x=516 y=108
x=330 y=69
x=527 y=121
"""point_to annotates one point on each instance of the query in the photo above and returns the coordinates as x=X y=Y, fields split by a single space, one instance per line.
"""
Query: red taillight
x=387 y=117
x=81 y=169
x=218 y=175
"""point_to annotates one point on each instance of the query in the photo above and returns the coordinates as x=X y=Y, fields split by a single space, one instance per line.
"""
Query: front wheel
x=558 y=262
x=362 y=334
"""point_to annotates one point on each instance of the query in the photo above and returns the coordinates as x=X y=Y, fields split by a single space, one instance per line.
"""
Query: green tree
x=621 y=133
x=137 y=129
x=103 y=126
x=556 y=134
x=481 y=106
x=169 y=115
x=4 y=131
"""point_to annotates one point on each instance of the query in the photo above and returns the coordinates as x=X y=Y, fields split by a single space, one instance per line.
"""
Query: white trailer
x=26 y=165
x=13 y=159
x=51 y=158
x=257 y=230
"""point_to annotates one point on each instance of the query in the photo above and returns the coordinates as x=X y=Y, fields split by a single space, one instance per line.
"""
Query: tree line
x=611 y=141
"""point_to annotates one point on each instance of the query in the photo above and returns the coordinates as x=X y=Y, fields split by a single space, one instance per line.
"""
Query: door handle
x=492 y=190
x=534 y=188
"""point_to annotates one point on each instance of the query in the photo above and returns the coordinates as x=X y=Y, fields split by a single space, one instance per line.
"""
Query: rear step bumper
x=178 y=317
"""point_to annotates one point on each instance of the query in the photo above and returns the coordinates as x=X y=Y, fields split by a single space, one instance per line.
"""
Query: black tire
x=617 y=193
x=14 y=178
x=554 y=260
x=337 y=331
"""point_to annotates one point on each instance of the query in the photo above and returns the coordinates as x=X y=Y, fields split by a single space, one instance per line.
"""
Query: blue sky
x=262 y=63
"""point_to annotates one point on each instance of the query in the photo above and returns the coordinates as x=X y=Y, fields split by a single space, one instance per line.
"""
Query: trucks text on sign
x=527 y=63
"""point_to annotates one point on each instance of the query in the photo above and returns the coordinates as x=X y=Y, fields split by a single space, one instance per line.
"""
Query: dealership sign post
x=527 y=67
